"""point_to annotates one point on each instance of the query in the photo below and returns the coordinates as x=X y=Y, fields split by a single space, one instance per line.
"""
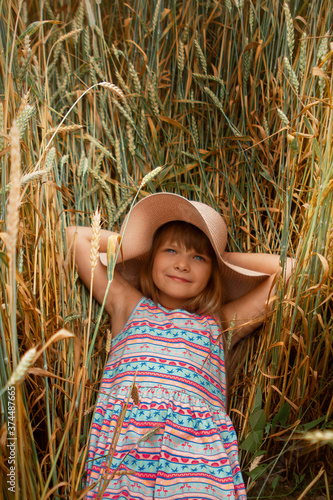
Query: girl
x=172 y=292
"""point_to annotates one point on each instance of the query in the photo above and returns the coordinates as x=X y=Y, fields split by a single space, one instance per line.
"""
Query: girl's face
x=179 y=274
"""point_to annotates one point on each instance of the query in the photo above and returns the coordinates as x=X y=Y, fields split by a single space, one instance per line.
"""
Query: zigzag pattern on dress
x=178 y=360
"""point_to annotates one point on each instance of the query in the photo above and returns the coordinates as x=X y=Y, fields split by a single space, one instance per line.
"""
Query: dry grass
x=234 y=100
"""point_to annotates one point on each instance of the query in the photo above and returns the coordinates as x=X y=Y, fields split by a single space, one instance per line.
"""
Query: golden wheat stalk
x=319 y=437
x=108 y=341
x=13 y=206
x=24 y=102
x=95 y=240
x=110 y=253
x=65 y=129
x=21 y=369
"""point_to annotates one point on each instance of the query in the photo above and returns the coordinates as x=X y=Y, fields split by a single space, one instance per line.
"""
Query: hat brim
x=150 y=213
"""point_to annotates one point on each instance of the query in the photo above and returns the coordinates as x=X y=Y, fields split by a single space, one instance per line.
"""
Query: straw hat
x=157 y=209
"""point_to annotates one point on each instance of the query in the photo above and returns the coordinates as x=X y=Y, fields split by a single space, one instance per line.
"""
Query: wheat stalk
x=64 y=130
x=135 y=77
x=152 y=93
x=24 y=117
x=68 y=35
x=112 y=87
x=283 y=116
x=95 y=240
x=21 y=369
x=148 y=177
x=200 y=55
x=110 y=253
x=156 y=14
x=108 y=342
x=292 y=75
x=303 y=55
x=181 y=57
x=13 y=206
x=131 y=142
x=290 y=29
x=24 y=102
x=320 y=437
x=29 y=178
x=256 y=461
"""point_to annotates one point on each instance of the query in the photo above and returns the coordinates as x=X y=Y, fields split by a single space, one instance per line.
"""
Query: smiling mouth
x=179 y=279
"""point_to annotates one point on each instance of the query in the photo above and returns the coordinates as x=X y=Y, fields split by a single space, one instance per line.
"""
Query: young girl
x=172 y=292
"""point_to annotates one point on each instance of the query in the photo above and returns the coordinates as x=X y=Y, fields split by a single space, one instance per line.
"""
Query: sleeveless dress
x=174 y=439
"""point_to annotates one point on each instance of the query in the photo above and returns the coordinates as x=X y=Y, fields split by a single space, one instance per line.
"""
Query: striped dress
x=176 y=440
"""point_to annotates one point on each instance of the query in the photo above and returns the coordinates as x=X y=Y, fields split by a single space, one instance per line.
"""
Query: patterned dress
x=191 y=450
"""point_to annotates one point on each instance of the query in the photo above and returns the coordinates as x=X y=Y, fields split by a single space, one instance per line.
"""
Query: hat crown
x=216 y=226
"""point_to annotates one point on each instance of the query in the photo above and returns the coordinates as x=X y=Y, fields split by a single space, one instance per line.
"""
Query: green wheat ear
x=290 y=29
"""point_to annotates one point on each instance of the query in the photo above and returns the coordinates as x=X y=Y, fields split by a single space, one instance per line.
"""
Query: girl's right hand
x=122 y=297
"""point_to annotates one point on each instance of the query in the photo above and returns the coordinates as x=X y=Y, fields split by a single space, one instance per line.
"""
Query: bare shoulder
x=124 y=300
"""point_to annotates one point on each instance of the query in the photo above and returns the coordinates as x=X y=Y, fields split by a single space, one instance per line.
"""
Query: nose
x=182 y=263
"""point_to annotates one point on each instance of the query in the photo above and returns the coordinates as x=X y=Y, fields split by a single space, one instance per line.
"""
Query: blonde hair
x=210 y=300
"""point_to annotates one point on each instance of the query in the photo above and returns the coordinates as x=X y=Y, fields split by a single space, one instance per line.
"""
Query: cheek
x=155 y=269
x=160 y=262
x=208 y=275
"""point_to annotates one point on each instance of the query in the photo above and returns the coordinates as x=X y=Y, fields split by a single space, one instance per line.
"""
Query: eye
x=200 y=258
x=170 y=250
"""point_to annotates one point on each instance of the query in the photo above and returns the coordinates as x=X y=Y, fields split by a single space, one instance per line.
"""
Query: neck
x=170 y=303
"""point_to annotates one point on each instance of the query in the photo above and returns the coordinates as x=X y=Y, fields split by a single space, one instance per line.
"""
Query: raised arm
x=122 y=297
x=250 y=309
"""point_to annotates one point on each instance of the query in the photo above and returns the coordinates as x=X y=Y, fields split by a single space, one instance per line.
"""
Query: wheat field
x=233 y=100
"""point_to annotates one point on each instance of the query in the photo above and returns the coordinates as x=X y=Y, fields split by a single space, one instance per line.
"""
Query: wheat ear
x=12 y=219
x=95 y=240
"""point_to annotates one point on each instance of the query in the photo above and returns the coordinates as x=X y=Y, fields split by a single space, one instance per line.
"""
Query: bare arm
x=250 y=309
x=122 y=297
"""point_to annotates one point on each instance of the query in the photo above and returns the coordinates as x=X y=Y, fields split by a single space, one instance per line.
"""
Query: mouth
x=178 y=279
